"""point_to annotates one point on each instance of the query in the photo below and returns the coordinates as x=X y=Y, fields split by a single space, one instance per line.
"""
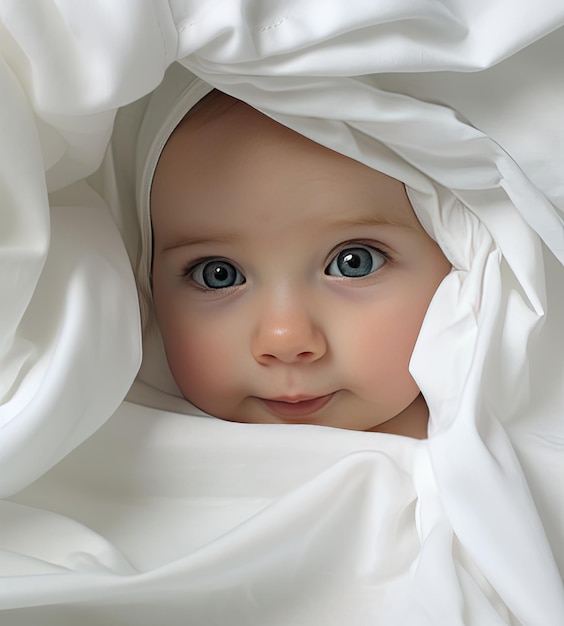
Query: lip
x=296 y=406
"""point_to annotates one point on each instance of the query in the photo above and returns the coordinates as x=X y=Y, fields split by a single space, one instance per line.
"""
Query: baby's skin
x=290 y=282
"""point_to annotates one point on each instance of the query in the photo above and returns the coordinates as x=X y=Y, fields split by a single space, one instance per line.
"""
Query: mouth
x=296 y=406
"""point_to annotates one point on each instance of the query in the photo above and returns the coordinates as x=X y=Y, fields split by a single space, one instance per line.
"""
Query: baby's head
x=289 y=282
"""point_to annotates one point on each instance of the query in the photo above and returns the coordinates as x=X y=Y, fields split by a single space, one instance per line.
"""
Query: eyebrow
x=370 y=220
x=194 y=241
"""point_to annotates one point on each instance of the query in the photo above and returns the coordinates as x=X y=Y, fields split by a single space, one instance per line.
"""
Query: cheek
x=380 y=341
x=385 y=346
x=196 y=363
x=199 y=360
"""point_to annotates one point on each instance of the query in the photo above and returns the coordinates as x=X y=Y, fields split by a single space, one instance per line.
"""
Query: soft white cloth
x=164 y=515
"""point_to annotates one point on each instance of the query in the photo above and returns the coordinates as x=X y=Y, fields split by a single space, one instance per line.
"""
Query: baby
x=289 y=282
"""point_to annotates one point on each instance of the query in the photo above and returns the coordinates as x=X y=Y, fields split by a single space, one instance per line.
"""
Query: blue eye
x=356 y=262
x=217 y=274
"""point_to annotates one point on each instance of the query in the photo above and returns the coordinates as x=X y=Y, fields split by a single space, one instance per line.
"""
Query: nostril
x=268 y=358
x=300 y=357
x=287 y=346
x=305 y=356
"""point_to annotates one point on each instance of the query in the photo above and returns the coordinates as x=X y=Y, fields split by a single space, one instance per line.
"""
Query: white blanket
x=144 y=511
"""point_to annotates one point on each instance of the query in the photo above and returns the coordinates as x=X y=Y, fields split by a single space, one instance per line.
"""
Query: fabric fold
x=122 y=512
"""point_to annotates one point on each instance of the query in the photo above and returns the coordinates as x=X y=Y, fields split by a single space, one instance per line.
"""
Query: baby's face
x=290 y=282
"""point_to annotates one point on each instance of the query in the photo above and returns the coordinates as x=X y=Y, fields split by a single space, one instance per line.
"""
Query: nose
x=287 y=333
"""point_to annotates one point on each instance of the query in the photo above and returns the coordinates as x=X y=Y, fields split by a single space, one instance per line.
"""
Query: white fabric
x=144 y=511
x=167 y=106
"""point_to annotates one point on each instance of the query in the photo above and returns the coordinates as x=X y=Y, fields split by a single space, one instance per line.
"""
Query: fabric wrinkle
x=122 y=502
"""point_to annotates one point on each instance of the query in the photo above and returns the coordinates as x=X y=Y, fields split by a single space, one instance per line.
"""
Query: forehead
x=225 y=155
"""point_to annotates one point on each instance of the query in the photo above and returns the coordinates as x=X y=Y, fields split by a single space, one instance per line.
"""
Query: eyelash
x=189 y=270
x=360 y=243
x=355 y=259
